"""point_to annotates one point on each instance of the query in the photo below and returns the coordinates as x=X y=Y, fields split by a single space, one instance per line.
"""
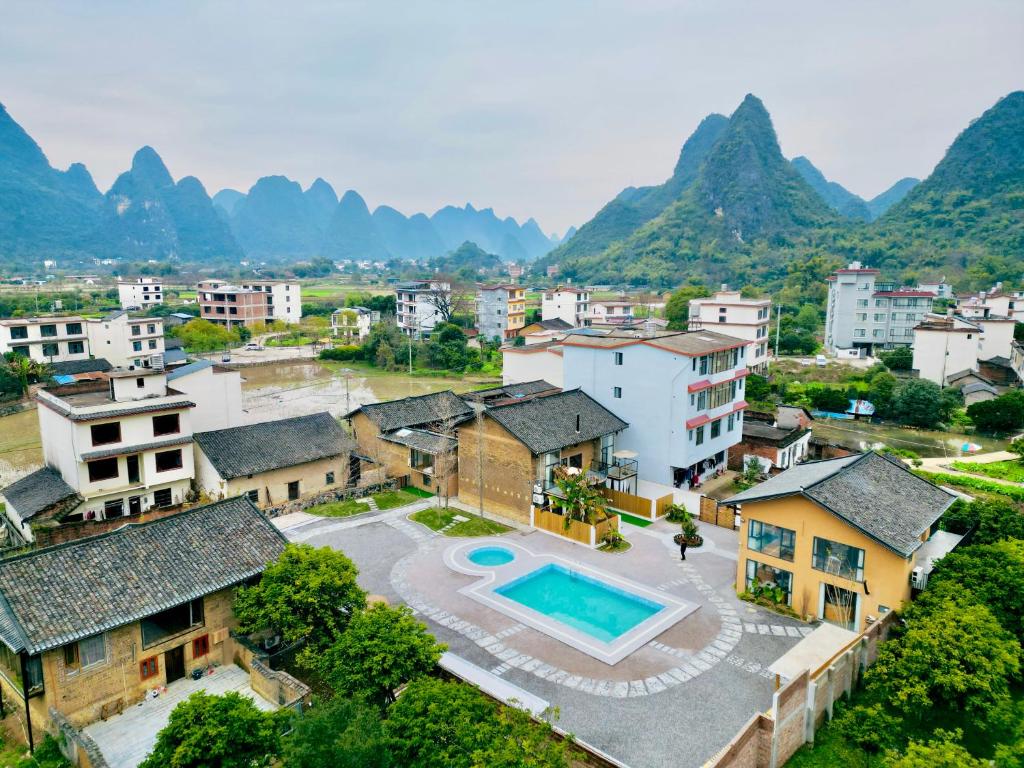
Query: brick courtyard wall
x=508 y=470
x=738 y=451
x=338 y=494
x=77 y=747
x=802 y=705
x=47 y=535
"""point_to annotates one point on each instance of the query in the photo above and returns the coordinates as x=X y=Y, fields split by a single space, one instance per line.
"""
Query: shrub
x=342 y=353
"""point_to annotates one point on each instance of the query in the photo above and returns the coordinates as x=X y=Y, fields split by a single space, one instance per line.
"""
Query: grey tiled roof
x=39 y=491
x=417 y=411
x=63 y=410
x=548 y=423
x=778 y=436
x=255 y=448
x=875 y=494
x=59 y=594
x=979 y=386
x=511 y=390
x=73 y=367
x=421 y=440
x=137 y=448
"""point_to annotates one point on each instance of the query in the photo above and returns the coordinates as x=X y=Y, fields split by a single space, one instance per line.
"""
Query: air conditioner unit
x=918 y=578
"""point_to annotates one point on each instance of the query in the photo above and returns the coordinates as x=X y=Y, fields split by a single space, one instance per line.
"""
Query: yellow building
x=89 y=628
x=841 y=538
x=274 y=462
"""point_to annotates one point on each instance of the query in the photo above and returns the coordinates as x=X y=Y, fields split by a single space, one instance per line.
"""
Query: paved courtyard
x=673 y=702
x=126 y=739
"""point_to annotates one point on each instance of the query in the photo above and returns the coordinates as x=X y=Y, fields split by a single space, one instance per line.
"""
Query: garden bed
x=439 y=518
x=385 y=500
x=1012 y=470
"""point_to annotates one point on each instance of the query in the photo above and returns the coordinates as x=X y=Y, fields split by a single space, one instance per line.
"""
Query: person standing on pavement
x=682 y=548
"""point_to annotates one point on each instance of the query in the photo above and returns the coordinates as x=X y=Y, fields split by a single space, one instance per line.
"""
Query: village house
x=531 y=362
x=140 y=293
x=541 y=331
x=611 y=312
x=351 y=325
x=417 y=306
x=500 y=311
x=45 y=339
x=127 y=341
x=730 y=313
x=249 y=303
x=508 y=455
x=775 y=442
x=571 y=305
x=845 y=540
x=415 y=438
x=947 y=345
x=147 y=605
x=122 y=445
x=216 y=391
x=275 y=461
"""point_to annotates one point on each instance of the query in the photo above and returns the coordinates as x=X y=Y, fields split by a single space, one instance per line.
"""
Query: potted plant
x=689 y=533
x=676 y=513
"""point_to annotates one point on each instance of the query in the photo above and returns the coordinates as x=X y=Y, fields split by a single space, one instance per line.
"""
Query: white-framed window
x=617 y=393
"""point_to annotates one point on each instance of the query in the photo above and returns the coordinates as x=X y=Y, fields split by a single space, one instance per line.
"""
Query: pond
x=926 y=443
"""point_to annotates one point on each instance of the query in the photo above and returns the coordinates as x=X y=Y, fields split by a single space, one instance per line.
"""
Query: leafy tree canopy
x=337 y=733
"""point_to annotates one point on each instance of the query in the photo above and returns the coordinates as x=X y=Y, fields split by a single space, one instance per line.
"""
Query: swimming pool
x=491 y=556
x=581 y=602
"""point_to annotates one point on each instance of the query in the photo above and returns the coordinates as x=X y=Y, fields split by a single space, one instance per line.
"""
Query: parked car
x=821 y=361
x=253 y=346
x=225 y=358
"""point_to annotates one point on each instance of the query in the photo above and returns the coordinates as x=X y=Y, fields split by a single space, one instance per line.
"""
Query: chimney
x=577 y=423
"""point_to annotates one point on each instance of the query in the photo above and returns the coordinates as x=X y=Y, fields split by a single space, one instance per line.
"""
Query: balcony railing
x=618 y=469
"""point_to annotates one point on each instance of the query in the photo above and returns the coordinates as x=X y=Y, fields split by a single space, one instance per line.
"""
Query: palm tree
x=581 y=498
x=26 y=371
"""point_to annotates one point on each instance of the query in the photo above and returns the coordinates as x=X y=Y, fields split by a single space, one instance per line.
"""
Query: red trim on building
x=697 y=386
x=697 y=421
x=740 y=406
x=918 y=294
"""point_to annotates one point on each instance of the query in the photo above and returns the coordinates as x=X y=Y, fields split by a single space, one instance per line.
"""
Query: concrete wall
x=217 y=393
x=886 y=573
x=938 y=354
x=272 y=486
x=520 y=364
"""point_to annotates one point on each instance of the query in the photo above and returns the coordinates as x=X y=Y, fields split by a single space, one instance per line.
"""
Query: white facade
x=729 y=313
x=216 y=392
x=140 y=293
x=681 y=393
x=125 y=341
x=532 y=362
x=994 y=303
x=45 y=339
x=416 y=309
x=284 y=301
x=949 y=344
x=352 y=324
x=566 y=303
x=865 y=314
x=611 y=312
x=125 y=444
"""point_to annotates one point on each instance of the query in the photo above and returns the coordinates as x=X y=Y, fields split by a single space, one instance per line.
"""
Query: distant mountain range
x=46 y=213
x=735 y=210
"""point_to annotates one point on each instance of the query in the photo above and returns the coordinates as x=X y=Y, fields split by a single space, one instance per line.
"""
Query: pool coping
x=526 y=561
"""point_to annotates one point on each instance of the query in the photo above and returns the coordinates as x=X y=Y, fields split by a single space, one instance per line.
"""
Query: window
x=151 y=328
x=162 y=498
x=51 y=350
x=47 y=331
x=704 y=365
x=759 y=574
x=702 y=400
x=329 y=478
x=617 y=392
x=136 y=330
x=136 y=346
x=102 y=469
x=85 y=653
x=730 y=423
x=862 y=302
x=168 y=424
x=700 y=435
x=152 y=343
x=860 y=332
x=618 y=358
x=168 y=460
x=200 y=646
x=862 y=317
x=879 y=317
x=838 y=559
x=140 y=383
x=19 y=332
x=771 y=540
x=419 y=459
x=75 y=347
x=173 y=621
x=293 y=490
x=148 y=668
x=113 y=508
x=721 y=394
x=716 y=428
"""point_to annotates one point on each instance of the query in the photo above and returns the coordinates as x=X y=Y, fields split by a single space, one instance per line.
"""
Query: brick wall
x=50 y=533
x=738 y=451
x=508 y=470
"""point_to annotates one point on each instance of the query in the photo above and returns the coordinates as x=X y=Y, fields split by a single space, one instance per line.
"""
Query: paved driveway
x=673 y=702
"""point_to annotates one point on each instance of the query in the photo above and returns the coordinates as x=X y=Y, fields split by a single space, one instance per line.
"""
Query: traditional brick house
x=275 y=461
x=844 y=539
x=777 y=443
x=510 y=452
x=90 y=627
x=414 y=438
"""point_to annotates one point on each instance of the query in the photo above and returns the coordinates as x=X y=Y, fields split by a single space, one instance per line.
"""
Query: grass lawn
x=1011 y=470
x=437 y=518
x=386 y=500
x=831 y=749
x=639 y=522
x=621 y=546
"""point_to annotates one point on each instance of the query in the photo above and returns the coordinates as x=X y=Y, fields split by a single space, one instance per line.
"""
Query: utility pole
x=778 y=328
x=410 y=350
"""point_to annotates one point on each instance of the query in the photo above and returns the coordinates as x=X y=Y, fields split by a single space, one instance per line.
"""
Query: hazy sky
x=543 y=109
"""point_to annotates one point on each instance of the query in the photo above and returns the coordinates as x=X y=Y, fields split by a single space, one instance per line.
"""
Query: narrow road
x=945 y=466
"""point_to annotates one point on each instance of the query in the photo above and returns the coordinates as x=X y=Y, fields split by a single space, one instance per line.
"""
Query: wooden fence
x=640 y=506
x=717 y=514
x=580 y=532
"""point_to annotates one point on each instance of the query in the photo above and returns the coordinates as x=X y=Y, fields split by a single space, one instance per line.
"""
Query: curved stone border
x=690 y=665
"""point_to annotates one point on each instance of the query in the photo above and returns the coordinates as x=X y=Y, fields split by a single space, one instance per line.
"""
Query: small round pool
x=491 y=556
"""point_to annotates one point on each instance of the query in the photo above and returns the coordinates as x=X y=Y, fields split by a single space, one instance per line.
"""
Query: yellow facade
x=396 y=458
x=886 y=575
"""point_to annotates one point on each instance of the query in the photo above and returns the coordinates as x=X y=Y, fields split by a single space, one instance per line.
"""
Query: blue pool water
x=491 y=556
x=586 y=604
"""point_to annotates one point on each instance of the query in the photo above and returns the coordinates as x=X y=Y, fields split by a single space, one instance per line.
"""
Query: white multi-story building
x=352 y=324
x=45 y=339
x=729 y=313
x=125 y=341
x=417 y=306
x=124 y=445
x=284 y=300
x=611 y=312
x=566 y=303
x=863 y=314
x=532 y=362
x=682 y=394
x=946 y=345
x=140 y=293
x=994 y=303
x=500 y=311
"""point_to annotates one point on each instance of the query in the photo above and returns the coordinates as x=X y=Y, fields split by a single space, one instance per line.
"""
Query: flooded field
x=923 y=442
x=268 y=392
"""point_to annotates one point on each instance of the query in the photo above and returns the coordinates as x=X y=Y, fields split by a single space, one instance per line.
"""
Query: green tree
x=677 y=308
x=993 y=520
x=581 y=499
x=756 y=388
x=520 y=741
x=306 y=593
x=382 y=649
x=203 y=336
x=808 y=318
x=918 y=403
x=337 y=733
x=1017 y=445
x=943 y=751
x=898 y=359
x=828 y=398
x=1000 y=415
x=207 y=731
